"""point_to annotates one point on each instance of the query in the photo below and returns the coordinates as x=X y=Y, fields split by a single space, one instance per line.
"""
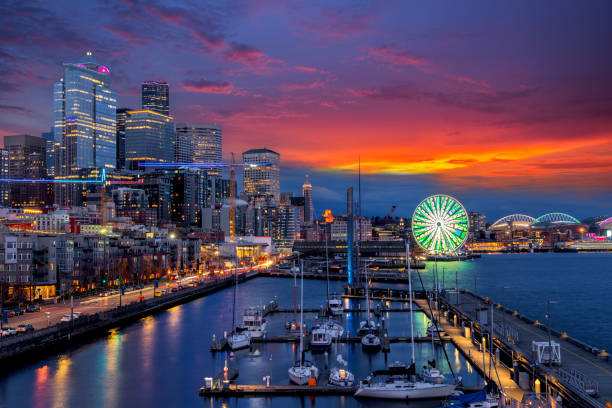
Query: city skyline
x=526 y=130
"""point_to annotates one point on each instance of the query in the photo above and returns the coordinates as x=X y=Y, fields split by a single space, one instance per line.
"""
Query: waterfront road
x=86 y=305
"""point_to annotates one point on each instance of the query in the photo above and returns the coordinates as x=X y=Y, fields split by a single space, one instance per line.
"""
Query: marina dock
x=584 y=378
x=236 y=390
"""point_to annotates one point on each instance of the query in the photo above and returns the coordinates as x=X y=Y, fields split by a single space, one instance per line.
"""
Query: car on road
x=18 y=311
x=33 y=308
x=66 y=318
x=9 y=331
x=76 y=315
x=25 y=328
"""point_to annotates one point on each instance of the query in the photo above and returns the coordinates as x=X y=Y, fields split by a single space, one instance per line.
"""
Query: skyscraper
x=50 y=152
x=261 y=182
x=4 y=173
x=27 y=155
x=122 y=115
x=149 y=136
x=308 y=208
x=206 y=143
x=156 y=97
x=84 y=118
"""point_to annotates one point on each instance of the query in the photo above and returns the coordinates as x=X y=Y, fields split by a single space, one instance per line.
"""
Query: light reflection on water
x=160 y=361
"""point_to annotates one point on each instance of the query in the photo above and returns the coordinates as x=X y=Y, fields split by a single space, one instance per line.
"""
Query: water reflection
x=111 y=370
x=61 y=388
x=42 y=378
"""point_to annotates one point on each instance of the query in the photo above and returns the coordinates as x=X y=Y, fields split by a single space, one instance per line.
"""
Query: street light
x=503 y=312
x=549 y=333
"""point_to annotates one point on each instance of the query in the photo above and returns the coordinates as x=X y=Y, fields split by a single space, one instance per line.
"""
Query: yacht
x=432 y=375
x=365 y=327
x=370 y=342
x=340 y=377
x=335 y=329
x=402 y=389
x=238 y=340
x=302 y=371
x=321 y=339
x=254 y=323
x=334 y=305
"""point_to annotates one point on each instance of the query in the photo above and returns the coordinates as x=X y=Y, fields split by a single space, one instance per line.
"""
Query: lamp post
x=503 y=312
x=549 y=333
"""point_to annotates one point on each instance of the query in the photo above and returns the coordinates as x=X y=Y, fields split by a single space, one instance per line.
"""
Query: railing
x=580 y=380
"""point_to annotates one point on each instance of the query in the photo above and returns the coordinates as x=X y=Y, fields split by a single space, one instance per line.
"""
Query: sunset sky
x=505 y=105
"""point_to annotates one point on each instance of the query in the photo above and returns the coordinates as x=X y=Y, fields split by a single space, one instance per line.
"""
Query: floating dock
x=236 y=390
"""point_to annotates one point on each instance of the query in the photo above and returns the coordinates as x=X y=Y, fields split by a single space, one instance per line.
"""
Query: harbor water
x=161 y=360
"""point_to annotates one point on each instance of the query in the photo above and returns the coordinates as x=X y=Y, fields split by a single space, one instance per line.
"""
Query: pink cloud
x=302 y=86
x=205 y=86
x=310 y=70
x=396 y=56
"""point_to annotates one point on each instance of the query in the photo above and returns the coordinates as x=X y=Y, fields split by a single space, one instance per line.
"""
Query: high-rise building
x=122 y=115
x=262 y=180
x=50 y=152
x=477 y=220
x=183 y=149
x=156 y=97
x=27 y=155
x=308 y=207
x=206 y=143
x=149 y=136
x=84 y=124
x=4 y=173
x=84 y=118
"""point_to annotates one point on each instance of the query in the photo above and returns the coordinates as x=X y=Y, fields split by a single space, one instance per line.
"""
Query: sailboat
x=238 y=339
x=334 y=302
x=430 y=373
x=369 y=342
x=302 y=370
x=340 y=376
x=402 y=383
x=292 y=326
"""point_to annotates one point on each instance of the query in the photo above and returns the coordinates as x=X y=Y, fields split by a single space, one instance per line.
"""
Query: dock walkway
x=575 y=355
x=475 y=356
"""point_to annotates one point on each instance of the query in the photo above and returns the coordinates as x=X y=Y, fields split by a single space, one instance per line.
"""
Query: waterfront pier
x=584 y=379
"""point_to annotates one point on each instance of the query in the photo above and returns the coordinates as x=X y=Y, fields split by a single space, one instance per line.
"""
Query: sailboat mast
x=234 y=303
x=301 y=311
x=410 y=298
x=327 y=265
x=294 y=293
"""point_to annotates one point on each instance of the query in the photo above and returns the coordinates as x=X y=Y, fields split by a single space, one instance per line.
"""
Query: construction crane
x=389 y=215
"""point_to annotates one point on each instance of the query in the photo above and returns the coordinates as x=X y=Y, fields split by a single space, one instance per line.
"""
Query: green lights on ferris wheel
x=440 y=224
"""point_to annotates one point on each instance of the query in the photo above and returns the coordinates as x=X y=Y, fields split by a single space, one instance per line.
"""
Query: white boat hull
x=390 y=391
x=238 y=341
x=337 y=379
x=301 y=375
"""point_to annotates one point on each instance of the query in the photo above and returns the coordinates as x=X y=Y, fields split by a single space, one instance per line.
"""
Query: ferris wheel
x=440 y=224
